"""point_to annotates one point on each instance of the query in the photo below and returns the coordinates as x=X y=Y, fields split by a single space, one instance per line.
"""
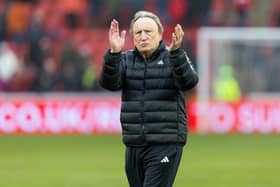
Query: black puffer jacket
x=153 y=94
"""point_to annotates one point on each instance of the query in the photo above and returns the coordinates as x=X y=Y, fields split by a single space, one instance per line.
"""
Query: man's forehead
x=145 y=22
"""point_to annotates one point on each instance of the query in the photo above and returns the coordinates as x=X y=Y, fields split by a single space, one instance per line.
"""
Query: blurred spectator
x=3 y=33
x=274 y=19
x=9 y=65
x=72 y=68
x=75 y=12
x=226 y=87
x=151 y=5
x=242 y=8
x=177 y=10
x=24 y=77
x=18 y=16
x=112 y=9
x=89 y=72
x=198 y=12
x=36 y=34
x=49 y=77
x=162 y=9
x=23 y=80
x=273 y=68
x=128 y=8
x=96 y=11
x=218 y=13
x=89 y=78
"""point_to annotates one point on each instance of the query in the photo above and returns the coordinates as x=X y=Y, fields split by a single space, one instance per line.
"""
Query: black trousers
x=152 y=166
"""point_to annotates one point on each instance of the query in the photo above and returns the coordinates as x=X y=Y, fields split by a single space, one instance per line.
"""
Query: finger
x=178 y=31
x=179 y=34
x=112 y=27
x=181 y=31
x=174 y=39
x=116 y=25
x=175 y=34
x=111 y=30
x=123 y=33
x=179 y=27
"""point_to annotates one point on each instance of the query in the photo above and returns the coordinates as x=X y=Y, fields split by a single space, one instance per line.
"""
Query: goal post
x=235 y=65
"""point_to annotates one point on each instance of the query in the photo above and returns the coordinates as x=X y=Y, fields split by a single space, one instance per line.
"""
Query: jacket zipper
x=143 y=99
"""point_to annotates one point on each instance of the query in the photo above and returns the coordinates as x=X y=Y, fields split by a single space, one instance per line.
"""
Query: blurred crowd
x=58 y=45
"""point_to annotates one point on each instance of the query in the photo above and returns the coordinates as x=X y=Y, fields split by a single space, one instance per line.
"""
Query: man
x=153 y=80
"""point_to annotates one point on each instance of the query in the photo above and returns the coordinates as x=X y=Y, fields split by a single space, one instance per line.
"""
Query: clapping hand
x=116 y=39
x=177 y=38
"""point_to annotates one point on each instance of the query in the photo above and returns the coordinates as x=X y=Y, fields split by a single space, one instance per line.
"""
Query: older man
x=153 y=79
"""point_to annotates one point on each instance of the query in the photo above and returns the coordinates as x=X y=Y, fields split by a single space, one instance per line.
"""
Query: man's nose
x=143 y=36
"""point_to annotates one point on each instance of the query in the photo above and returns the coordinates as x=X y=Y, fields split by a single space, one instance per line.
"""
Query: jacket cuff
x=112 y=58
x=177 y=57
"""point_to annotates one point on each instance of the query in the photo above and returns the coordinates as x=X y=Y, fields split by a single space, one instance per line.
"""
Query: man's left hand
x=177 y=38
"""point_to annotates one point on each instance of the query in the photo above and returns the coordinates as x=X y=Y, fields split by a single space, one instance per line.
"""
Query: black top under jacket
x=153 y=94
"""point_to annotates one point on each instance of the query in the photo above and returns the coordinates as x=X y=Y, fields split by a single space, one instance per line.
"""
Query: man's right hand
x=116 y=40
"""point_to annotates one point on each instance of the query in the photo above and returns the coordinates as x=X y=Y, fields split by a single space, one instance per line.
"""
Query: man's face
x=146 y=36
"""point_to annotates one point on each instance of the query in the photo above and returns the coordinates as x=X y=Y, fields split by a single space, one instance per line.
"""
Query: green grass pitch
x=98 y=161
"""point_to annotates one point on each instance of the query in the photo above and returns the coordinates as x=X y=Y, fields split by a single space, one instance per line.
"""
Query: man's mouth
x=144 y=44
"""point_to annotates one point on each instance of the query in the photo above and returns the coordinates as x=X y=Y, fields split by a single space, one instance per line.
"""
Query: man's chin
x=144 y=50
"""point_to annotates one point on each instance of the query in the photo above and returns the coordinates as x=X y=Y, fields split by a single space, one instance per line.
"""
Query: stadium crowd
x=58 y=45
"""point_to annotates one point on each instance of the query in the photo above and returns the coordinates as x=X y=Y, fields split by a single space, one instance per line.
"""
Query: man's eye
x=149 y=32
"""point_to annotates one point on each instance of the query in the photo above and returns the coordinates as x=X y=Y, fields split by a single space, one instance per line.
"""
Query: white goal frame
x=208 y=34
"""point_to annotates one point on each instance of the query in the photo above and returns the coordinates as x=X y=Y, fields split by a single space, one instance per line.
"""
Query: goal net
x=236 y=64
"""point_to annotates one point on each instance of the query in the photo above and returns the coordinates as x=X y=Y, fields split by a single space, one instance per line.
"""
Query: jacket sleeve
x=111 y=74
x=185 y=75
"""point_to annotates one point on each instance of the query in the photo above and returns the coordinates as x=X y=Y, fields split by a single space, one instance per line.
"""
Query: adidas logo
x=160 y=62
x=164 y=160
